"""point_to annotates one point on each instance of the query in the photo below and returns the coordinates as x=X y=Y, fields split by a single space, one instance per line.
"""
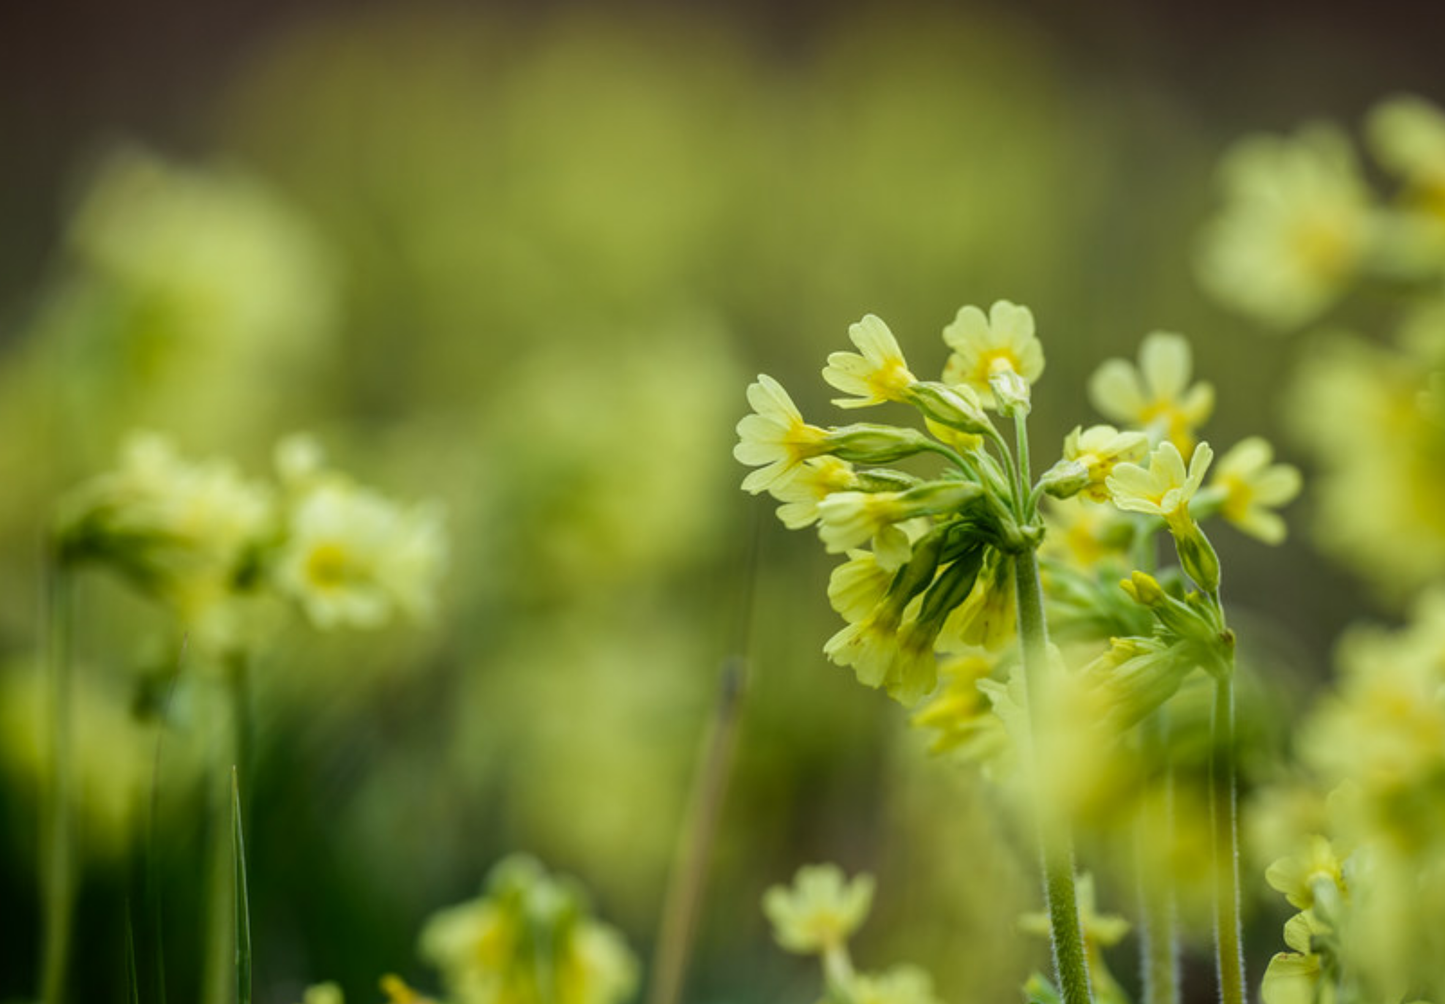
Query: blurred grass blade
x=153 y=812
x=132 y=973
x=57 y=839
x=243 y=907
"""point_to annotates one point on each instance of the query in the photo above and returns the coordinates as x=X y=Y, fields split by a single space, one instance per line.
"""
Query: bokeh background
x=524 y=259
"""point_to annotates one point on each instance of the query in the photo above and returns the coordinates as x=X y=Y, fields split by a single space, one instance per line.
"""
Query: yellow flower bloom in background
x=1156 y=394
x=1407 y=136
x=181 y=531
x=1298 y=875
x=323 y=993
x=879 y=374
x=1251 y=486
x=774 y=438
x=901 y=984
x=1295 y=227
x=352 y=557
x=1164 y=488
x=985 y=347
x=820 y=911
x=529 y=940
x=960 y=713
x=1298 y=977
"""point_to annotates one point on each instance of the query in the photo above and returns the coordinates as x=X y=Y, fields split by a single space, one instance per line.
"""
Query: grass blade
x=243 y=906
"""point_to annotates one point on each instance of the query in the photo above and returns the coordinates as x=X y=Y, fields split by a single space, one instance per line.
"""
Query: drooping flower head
x=986 y=348
x=1155 y=395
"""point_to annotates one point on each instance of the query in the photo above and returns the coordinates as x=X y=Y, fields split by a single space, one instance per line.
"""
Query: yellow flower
x=353 y=557
x=489 y=949
x=1250 y=486
x=858 y=585
x=1163 y=488
x=1155 y=395
x=1298 y=876
x=820 y=911
x=1294 y=228
x=848 y=519
x=774 y=438
x=985 y=348
x=1090 y=455
x=986 y=618
x=323 y=993
x=960 y=712
x=1407 y=135
x=879 y=374
x=887 y=648
x=182 y=531
x=1298 y=977
x=810 y=484
x=901 y=984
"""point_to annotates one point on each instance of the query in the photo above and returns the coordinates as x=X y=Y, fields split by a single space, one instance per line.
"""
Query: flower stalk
x=59 y=837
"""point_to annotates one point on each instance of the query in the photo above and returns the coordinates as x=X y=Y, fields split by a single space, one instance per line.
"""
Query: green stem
x=219 y=969
x=1056 y=852
x=1223 y=812
x=685 y=888
x=59 y=836
x=1158 y=927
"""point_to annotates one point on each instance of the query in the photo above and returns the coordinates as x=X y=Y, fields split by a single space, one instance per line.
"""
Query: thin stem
x=241 y=896
x=1158 y=927
x=219 y=969
x=1056 y=852
x=59 y=835
x=1223 y=812
x=685 y=888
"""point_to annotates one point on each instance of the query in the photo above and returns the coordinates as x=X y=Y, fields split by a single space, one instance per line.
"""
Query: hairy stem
x=1158 y=925
x=1223 y=813
x=1056 y=850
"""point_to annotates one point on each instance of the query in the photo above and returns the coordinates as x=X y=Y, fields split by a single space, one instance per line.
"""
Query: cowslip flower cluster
x=530 y=939
x=942 y=575
x=818 y=914
x=202 y=539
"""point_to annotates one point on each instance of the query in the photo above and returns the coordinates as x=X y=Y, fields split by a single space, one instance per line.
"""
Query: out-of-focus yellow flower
x=398 y=992
x=1298 y=977
x=1297 y=876
x=960 y=713
x=821 y=909
x=1295 y=226
x=1407 y=136
x=182 y=531
x=1156 y=394
x=353 y=557
x=1090 y=456
x=879 y=374
x=323 y=993
x=901 y=984
x=774 y=438
x=530 y=940
x=988 y=347
x=1250 y=486
x=1376 y=439
x=1084 y=535
x=1164 y=488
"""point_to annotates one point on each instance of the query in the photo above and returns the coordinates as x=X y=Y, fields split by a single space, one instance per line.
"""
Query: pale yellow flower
x=901 y=984
x=353 y=557
x=1298 y=977
x=1156 y=394
x=1297 y=876
x=1096 y=451
x=960 y=713
x=986 y=346
x=1163 y=488
x=1407 y=135
x=820 y=911
x=774 y=438
x=986 y=618
x=1252 y=486
x=884 y=651
x=879 y=374
x=812 y=482
x=858 y=585
x=1295 y=227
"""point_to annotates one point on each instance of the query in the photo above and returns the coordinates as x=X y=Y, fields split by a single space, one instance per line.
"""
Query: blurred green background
x=525 y=260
